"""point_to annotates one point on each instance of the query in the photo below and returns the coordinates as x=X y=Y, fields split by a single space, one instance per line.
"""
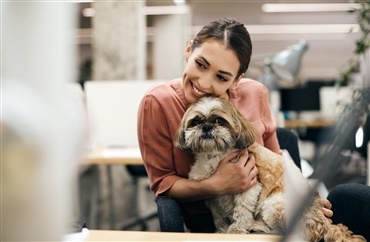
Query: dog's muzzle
x=207 y=131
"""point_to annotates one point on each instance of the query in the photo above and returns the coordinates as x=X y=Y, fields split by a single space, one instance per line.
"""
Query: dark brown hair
x=232 y=34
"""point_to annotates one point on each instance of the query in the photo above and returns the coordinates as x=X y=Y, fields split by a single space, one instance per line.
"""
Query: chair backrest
x=112 y=110
x=289 y=141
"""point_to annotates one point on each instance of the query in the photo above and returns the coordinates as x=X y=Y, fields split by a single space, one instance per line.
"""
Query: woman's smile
x=197 y=91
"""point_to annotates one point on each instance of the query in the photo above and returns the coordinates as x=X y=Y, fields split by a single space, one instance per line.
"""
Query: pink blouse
x=159 y=117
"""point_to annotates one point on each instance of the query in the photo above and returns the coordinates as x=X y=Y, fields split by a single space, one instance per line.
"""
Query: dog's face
x=213 y=125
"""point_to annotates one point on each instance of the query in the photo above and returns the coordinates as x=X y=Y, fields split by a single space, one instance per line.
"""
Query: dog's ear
x=241 y=142
x=247 y=134
x=180 y=140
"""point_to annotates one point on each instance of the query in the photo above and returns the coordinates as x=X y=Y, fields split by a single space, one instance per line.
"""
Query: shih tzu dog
x=213 y=128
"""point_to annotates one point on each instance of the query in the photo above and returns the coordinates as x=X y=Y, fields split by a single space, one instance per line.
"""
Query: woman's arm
x=229 y=178
x=269 y=137
x=156 y=145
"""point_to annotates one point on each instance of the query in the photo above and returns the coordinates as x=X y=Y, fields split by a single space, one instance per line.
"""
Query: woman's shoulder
x=164 y=101
x=168 y=94
x=163 y=89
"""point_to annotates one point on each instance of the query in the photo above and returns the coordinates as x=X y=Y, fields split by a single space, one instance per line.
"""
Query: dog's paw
x=273 y=211
x=235 y=229
x=221 y=231
x=221 y=225
x=261 y=226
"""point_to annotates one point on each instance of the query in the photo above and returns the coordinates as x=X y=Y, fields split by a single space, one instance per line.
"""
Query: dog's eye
x=220 y=121
x=194 y=122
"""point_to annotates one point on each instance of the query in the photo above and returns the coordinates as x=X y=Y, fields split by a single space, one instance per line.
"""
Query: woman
x=217 y=60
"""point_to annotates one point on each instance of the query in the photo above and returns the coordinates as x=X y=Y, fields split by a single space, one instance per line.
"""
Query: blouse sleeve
x=156 y=145
x=269 y=137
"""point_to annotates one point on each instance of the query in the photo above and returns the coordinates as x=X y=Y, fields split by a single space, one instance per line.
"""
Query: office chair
x=137 y=172
x=169 y=211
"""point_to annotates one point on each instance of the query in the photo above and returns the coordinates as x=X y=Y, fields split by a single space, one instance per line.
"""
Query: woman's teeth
x=198 y=91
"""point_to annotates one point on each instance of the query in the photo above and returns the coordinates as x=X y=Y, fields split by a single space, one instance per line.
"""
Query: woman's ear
x=238 y=79
x=188 y=50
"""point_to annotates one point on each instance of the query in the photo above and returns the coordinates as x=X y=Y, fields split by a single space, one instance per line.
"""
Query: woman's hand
x=234 y=176
x=326 y=209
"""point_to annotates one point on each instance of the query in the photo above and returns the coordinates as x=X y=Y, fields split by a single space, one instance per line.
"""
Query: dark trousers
x=351 y=206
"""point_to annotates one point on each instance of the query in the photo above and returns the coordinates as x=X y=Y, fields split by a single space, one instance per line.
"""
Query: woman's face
x=211 y=69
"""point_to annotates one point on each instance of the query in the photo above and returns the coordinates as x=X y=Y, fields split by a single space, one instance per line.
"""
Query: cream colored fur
x=212 y=129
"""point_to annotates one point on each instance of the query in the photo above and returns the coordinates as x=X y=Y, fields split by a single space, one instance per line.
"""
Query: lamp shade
x=268 y=78
x=286 y=64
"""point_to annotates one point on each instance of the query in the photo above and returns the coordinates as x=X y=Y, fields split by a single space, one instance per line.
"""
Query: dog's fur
x=213 y=128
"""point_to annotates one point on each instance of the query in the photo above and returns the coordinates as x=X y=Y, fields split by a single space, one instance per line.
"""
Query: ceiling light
x=179 y=2
x=302 y=28
x=78 y=1
x=88 y=12
x=165 y=10
x=308 y=7
x=298 y=28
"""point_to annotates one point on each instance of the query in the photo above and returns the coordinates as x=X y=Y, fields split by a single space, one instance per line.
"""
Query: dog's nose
x=207 y=128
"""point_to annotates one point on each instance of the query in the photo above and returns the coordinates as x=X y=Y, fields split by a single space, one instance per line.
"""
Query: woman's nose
x=205 y=83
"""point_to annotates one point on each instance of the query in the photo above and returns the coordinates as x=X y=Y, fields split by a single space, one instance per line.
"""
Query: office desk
x=108 y=157
x=307 y=124
x=115 y=235
x=113 y=156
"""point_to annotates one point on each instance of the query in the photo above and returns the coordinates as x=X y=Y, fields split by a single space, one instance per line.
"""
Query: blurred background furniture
x=112 y=111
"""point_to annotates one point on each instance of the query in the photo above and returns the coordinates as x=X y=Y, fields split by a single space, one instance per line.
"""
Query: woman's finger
x=326 y=203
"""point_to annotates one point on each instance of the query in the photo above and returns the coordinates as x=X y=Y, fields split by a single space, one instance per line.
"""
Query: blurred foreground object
x=41 y=128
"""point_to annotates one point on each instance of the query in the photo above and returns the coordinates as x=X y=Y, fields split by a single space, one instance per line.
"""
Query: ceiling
x=328 y=50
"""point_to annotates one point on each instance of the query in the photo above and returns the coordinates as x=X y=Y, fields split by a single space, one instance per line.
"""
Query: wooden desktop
x=113 y=156
x=307 y=124
x=115 y=235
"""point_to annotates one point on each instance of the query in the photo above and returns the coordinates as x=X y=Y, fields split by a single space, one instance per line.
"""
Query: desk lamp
x=283 y=67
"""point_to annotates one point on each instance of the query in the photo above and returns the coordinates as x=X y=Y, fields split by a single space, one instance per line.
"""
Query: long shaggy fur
x=213 y=128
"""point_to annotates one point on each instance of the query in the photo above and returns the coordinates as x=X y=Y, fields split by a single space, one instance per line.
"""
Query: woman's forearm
x=229 y=178
x=188 y=190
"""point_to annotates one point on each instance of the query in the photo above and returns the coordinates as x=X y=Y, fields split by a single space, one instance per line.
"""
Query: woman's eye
x=222 y=78
x=200 y=64
x=220 y=121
